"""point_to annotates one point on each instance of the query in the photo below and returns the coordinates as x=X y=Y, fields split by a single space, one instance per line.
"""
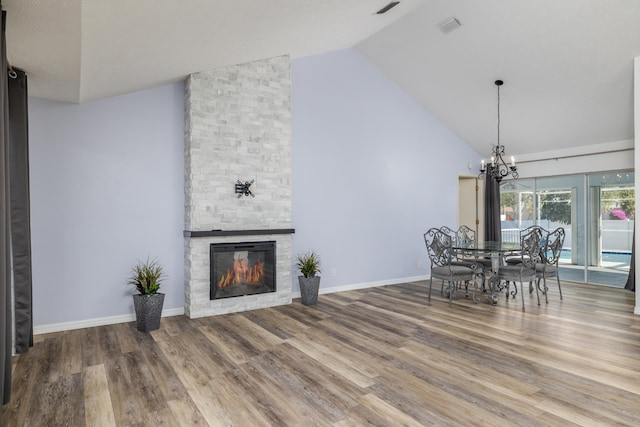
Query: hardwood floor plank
x=245 y=411
x=347 y=368
x=266 y=404
x=298 y=401
x=25 y=376
x=206 y=398
x=97 y=400
x=264 y=319
x=330 y=385
x=127 y=336
x=72 y=351
x=190 y=360
x=286 y=325
x=387 y=411
x=109 y=344
x=361 y=325
x=127 y=407
x=259 y=337
x=186 y=413
x=364 y=416
x=58 y=403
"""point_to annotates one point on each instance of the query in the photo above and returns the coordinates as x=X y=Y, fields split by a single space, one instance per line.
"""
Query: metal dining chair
x=467 y=237
x=548 y=267
x=514 y=260
x=525 y=270
x=441 y=254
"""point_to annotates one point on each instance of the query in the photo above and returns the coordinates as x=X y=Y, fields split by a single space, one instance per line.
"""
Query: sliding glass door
x=597 y=212
x=561 y=201
x=611 y=218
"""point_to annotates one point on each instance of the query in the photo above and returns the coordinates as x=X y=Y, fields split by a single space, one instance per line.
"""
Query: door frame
x=471 y=185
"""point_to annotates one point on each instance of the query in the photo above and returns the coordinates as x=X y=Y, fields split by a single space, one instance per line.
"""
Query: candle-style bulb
x=513 y=161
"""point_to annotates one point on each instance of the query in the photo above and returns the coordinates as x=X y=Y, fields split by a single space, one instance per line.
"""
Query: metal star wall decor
x=244 y=188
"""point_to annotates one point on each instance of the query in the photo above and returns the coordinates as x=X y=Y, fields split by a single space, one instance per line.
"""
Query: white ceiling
x=567 y=64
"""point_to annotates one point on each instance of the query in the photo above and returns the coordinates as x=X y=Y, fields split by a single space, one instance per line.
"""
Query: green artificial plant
x=146 y=277
x=308 y=264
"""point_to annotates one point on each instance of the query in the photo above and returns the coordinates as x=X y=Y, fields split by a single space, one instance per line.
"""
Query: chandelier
x=497 y=167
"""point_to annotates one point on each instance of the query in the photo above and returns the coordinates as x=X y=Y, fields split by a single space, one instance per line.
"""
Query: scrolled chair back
x=531 y=243
x=439 y=247
x=533 y=227
x=466 y=236
x=553 y=246
x=449 y=232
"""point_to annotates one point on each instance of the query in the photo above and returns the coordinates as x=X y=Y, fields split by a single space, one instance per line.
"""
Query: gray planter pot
x=309 y=289
x=148 y=311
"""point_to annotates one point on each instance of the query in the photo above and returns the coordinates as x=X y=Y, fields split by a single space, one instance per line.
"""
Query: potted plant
x=309 y=265
x=146 y=277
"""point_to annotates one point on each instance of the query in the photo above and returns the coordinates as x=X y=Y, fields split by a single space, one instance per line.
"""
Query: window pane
x=516 y=208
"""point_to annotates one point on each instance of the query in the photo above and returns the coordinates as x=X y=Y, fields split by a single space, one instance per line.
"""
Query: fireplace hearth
x=239 y=269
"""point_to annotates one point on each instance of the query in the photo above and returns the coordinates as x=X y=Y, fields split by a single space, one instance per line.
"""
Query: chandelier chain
x=498 y=115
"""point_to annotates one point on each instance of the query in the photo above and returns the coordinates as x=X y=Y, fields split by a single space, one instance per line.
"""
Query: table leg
x=495 y=267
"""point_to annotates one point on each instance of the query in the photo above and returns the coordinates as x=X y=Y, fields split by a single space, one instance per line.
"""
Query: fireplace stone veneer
x=237 y=126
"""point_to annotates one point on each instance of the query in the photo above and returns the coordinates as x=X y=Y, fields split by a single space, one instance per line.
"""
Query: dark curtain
x=20 y=209
x=631 y=280
x=492 y=228
x=5 y=226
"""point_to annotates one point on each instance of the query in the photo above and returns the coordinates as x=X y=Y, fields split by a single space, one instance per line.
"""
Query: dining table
x=491 y=250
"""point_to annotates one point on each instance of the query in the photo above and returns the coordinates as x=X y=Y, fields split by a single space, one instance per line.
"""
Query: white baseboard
x=101 y=321
x=365 y=285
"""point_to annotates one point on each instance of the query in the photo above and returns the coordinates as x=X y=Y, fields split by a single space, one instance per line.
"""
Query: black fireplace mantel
x=219 y=233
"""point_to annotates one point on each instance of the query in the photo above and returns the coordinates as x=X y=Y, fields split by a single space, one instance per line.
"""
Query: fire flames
x=243 y=273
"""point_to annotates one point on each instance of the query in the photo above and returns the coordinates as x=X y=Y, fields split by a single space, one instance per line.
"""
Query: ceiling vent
x=387 y=7
x=449 y=25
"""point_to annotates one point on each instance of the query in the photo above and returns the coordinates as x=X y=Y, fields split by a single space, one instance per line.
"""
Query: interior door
x=471 y=204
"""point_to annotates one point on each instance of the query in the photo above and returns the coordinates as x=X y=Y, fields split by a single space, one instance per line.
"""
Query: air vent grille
x=449 y=25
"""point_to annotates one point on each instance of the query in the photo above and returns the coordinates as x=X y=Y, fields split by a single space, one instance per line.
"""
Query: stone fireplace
x=237 y=130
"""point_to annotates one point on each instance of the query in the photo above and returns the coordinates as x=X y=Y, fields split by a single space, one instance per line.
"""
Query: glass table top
x=489 y=246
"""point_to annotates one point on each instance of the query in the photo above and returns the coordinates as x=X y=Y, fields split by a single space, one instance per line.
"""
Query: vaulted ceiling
x=567 y=68
x=567 y=65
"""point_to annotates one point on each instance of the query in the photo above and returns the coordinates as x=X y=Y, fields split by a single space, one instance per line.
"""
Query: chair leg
x=452 y=289
x=521 y=293
x=537 y=292
x=475 y=288
x=546 y=290
x=430 y=282
x=559 y=288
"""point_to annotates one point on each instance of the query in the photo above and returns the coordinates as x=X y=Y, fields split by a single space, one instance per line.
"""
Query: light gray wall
x=372 y=171
x=106 y=190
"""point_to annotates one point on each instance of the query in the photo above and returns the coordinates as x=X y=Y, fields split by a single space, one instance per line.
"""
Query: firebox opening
x=239 y=269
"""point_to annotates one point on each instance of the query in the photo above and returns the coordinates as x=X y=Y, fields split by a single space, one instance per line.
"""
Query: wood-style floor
x=382 y=356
